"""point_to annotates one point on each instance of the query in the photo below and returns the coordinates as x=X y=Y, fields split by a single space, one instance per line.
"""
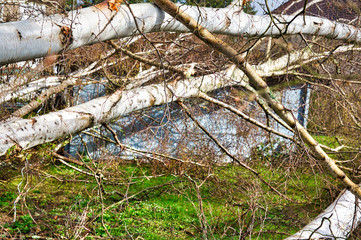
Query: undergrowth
x=148 y=200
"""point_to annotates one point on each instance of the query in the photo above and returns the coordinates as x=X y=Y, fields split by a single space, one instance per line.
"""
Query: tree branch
x=240 y=162
x=260 y=85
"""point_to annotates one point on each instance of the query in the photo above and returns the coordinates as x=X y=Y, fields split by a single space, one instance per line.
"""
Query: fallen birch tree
x=32 y=39
x=37 y=130
x=59 y=33
x=27 y=133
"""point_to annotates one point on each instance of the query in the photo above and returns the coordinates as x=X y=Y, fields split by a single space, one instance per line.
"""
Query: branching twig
x=134 y=195
x=240 y=162
x=62 y=160
x=138 y=151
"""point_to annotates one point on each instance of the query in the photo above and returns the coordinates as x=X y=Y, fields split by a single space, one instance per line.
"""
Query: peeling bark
x=58 y=33
x=261 y=86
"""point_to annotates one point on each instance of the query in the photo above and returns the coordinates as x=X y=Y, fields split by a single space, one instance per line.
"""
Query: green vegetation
x=156 y=201
x=329 y=141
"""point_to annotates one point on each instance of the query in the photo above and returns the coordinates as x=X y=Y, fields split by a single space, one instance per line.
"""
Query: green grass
x=166 y=205
x=329 y=141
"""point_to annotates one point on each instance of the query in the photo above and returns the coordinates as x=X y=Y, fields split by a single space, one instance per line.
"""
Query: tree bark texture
x=30 y=39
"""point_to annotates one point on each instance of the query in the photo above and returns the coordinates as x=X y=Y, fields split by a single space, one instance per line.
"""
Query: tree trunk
x=337 y=221
x=30 y=39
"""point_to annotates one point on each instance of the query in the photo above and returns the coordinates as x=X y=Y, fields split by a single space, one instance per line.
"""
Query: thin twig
x=240 y=162
x=242 y=115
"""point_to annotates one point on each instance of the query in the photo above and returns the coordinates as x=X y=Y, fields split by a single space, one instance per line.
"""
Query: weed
x=22 y=225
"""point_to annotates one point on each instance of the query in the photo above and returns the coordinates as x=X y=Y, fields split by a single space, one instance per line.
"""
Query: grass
x=329 y=141
x=62 y=203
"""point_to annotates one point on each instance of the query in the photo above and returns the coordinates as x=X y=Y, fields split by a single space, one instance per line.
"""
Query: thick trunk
x=24 y=40
x=31 y=39
x=337 y=221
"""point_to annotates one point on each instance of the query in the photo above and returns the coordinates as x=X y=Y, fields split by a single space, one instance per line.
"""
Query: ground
x=152 y=200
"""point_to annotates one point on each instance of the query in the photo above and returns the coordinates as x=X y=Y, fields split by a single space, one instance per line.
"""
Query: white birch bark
x=337 y=221
x=7 y=94
x=27 y=133
x=296 y=59
x=24 y=40
x=20 y=86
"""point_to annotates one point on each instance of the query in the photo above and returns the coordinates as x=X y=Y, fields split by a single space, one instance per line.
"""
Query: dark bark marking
x=19 y=34
x=89 y=115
